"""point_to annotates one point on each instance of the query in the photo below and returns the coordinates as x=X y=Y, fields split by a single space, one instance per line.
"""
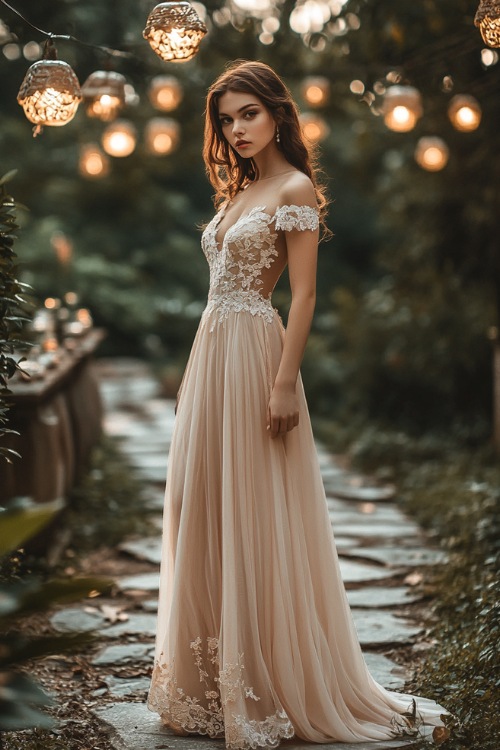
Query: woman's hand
x=283 y=410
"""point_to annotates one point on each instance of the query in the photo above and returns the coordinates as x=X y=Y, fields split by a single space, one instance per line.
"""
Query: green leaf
x=8 y=176
x=16 y=526
x=18 y=696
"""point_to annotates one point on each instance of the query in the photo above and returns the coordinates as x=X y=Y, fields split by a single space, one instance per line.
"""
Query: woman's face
x=246 y=123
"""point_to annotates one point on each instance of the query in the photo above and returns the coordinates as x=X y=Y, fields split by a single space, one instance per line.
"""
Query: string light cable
x=69 y=37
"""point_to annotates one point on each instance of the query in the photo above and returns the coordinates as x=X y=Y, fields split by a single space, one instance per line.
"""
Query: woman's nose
x=238 y=127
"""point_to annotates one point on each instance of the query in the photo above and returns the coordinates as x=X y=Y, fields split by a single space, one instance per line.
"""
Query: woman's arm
x=302 y=250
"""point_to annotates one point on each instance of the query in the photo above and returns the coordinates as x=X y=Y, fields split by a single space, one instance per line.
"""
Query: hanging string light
x=165 y=93
x=50 y=92
x=487 y=18
x=119 y=138
x=316 y=90
x=402 y=107
x=465 y=113
x=174 y=30
x=432 y=153
x=92 y=162
x=161 y=135
x=314 y=127
x=104 y=94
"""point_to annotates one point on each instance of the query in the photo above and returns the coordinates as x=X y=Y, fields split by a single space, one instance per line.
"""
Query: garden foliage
x=12 y=305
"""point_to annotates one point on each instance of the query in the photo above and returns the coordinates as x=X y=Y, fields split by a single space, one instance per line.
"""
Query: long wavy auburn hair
x=227 y=171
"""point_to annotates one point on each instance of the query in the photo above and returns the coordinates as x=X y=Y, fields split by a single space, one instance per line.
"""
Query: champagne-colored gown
x=255 y=641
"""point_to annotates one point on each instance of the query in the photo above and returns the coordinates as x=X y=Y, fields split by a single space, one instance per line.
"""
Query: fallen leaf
x=440 y=734
x=413 y=578
x=113 y=614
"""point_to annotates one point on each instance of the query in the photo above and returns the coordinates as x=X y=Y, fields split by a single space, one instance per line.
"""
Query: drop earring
x=277 y=135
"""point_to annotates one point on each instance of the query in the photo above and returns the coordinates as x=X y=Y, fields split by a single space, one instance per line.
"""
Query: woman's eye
x=251 y=113
x=225 y=120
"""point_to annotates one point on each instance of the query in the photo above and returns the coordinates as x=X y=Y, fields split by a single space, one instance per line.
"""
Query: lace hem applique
x=296 y=217
x=184 y=713
x=245 y=733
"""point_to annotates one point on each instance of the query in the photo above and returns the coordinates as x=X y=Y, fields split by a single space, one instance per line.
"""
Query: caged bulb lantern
x=161 y=135
x=165 y=93
x=174 y=31
x=50 y=92
x=104 y=94
x=487 y=18
x=402 y=107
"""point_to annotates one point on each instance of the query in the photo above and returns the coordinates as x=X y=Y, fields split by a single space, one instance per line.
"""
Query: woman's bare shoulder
x=297 y=190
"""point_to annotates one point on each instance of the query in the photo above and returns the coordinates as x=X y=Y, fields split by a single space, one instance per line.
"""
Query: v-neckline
x=219 y=246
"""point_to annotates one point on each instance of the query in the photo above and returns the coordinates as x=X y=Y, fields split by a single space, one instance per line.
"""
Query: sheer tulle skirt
x=256 y=641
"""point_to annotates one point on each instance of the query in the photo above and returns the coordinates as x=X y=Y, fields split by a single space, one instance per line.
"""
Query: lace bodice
x=247 y=248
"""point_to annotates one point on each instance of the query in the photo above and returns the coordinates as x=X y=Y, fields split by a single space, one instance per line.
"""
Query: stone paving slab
x=75 y=619
x=385 y=671
x=377 y=526
x=120 y=424
x=138 y=623
x=375 y=530
x=369 y=511
x=398 y=555
x=149 y=460
x=131 y=390
x=138 y=728
x=348 y=491
x=345 y=542
x=142 y=582
x=148 y=549
x=381 y=628
x=124 y=653
x=155 y=475
x=357 y=572
x=157 y=447
x=381 y=596
x=120 y=687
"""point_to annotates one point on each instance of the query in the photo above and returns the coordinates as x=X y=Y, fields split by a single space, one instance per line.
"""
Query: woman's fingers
x=281 y=425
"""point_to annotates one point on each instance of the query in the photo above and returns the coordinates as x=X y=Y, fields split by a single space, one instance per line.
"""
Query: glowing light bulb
x=465 y=113
x=401 y=108
x=432 y=153
x=119 y=139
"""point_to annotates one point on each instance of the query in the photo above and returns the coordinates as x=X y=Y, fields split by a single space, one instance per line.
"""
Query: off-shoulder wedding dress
x=255 y=640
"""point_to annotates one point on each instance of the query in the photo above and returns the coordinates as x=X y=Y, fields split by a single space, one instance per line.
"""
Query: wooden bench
x=59 y=419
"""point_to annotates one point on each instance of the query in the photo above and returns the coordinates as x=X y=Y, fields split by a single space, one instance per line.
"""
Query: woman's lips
x=242 y=144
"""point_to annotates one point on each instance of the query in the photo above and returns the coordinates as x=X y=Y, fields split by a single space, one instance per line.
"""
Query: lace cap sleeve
x=296 y=217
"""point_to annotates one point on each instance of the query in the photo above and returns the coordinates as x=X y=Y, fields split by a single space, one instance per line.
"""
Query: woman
x=255 y=640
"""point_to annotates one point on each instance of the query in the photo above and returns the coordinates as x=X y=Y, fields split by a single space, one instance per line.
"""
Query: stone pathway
x=381 y=554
